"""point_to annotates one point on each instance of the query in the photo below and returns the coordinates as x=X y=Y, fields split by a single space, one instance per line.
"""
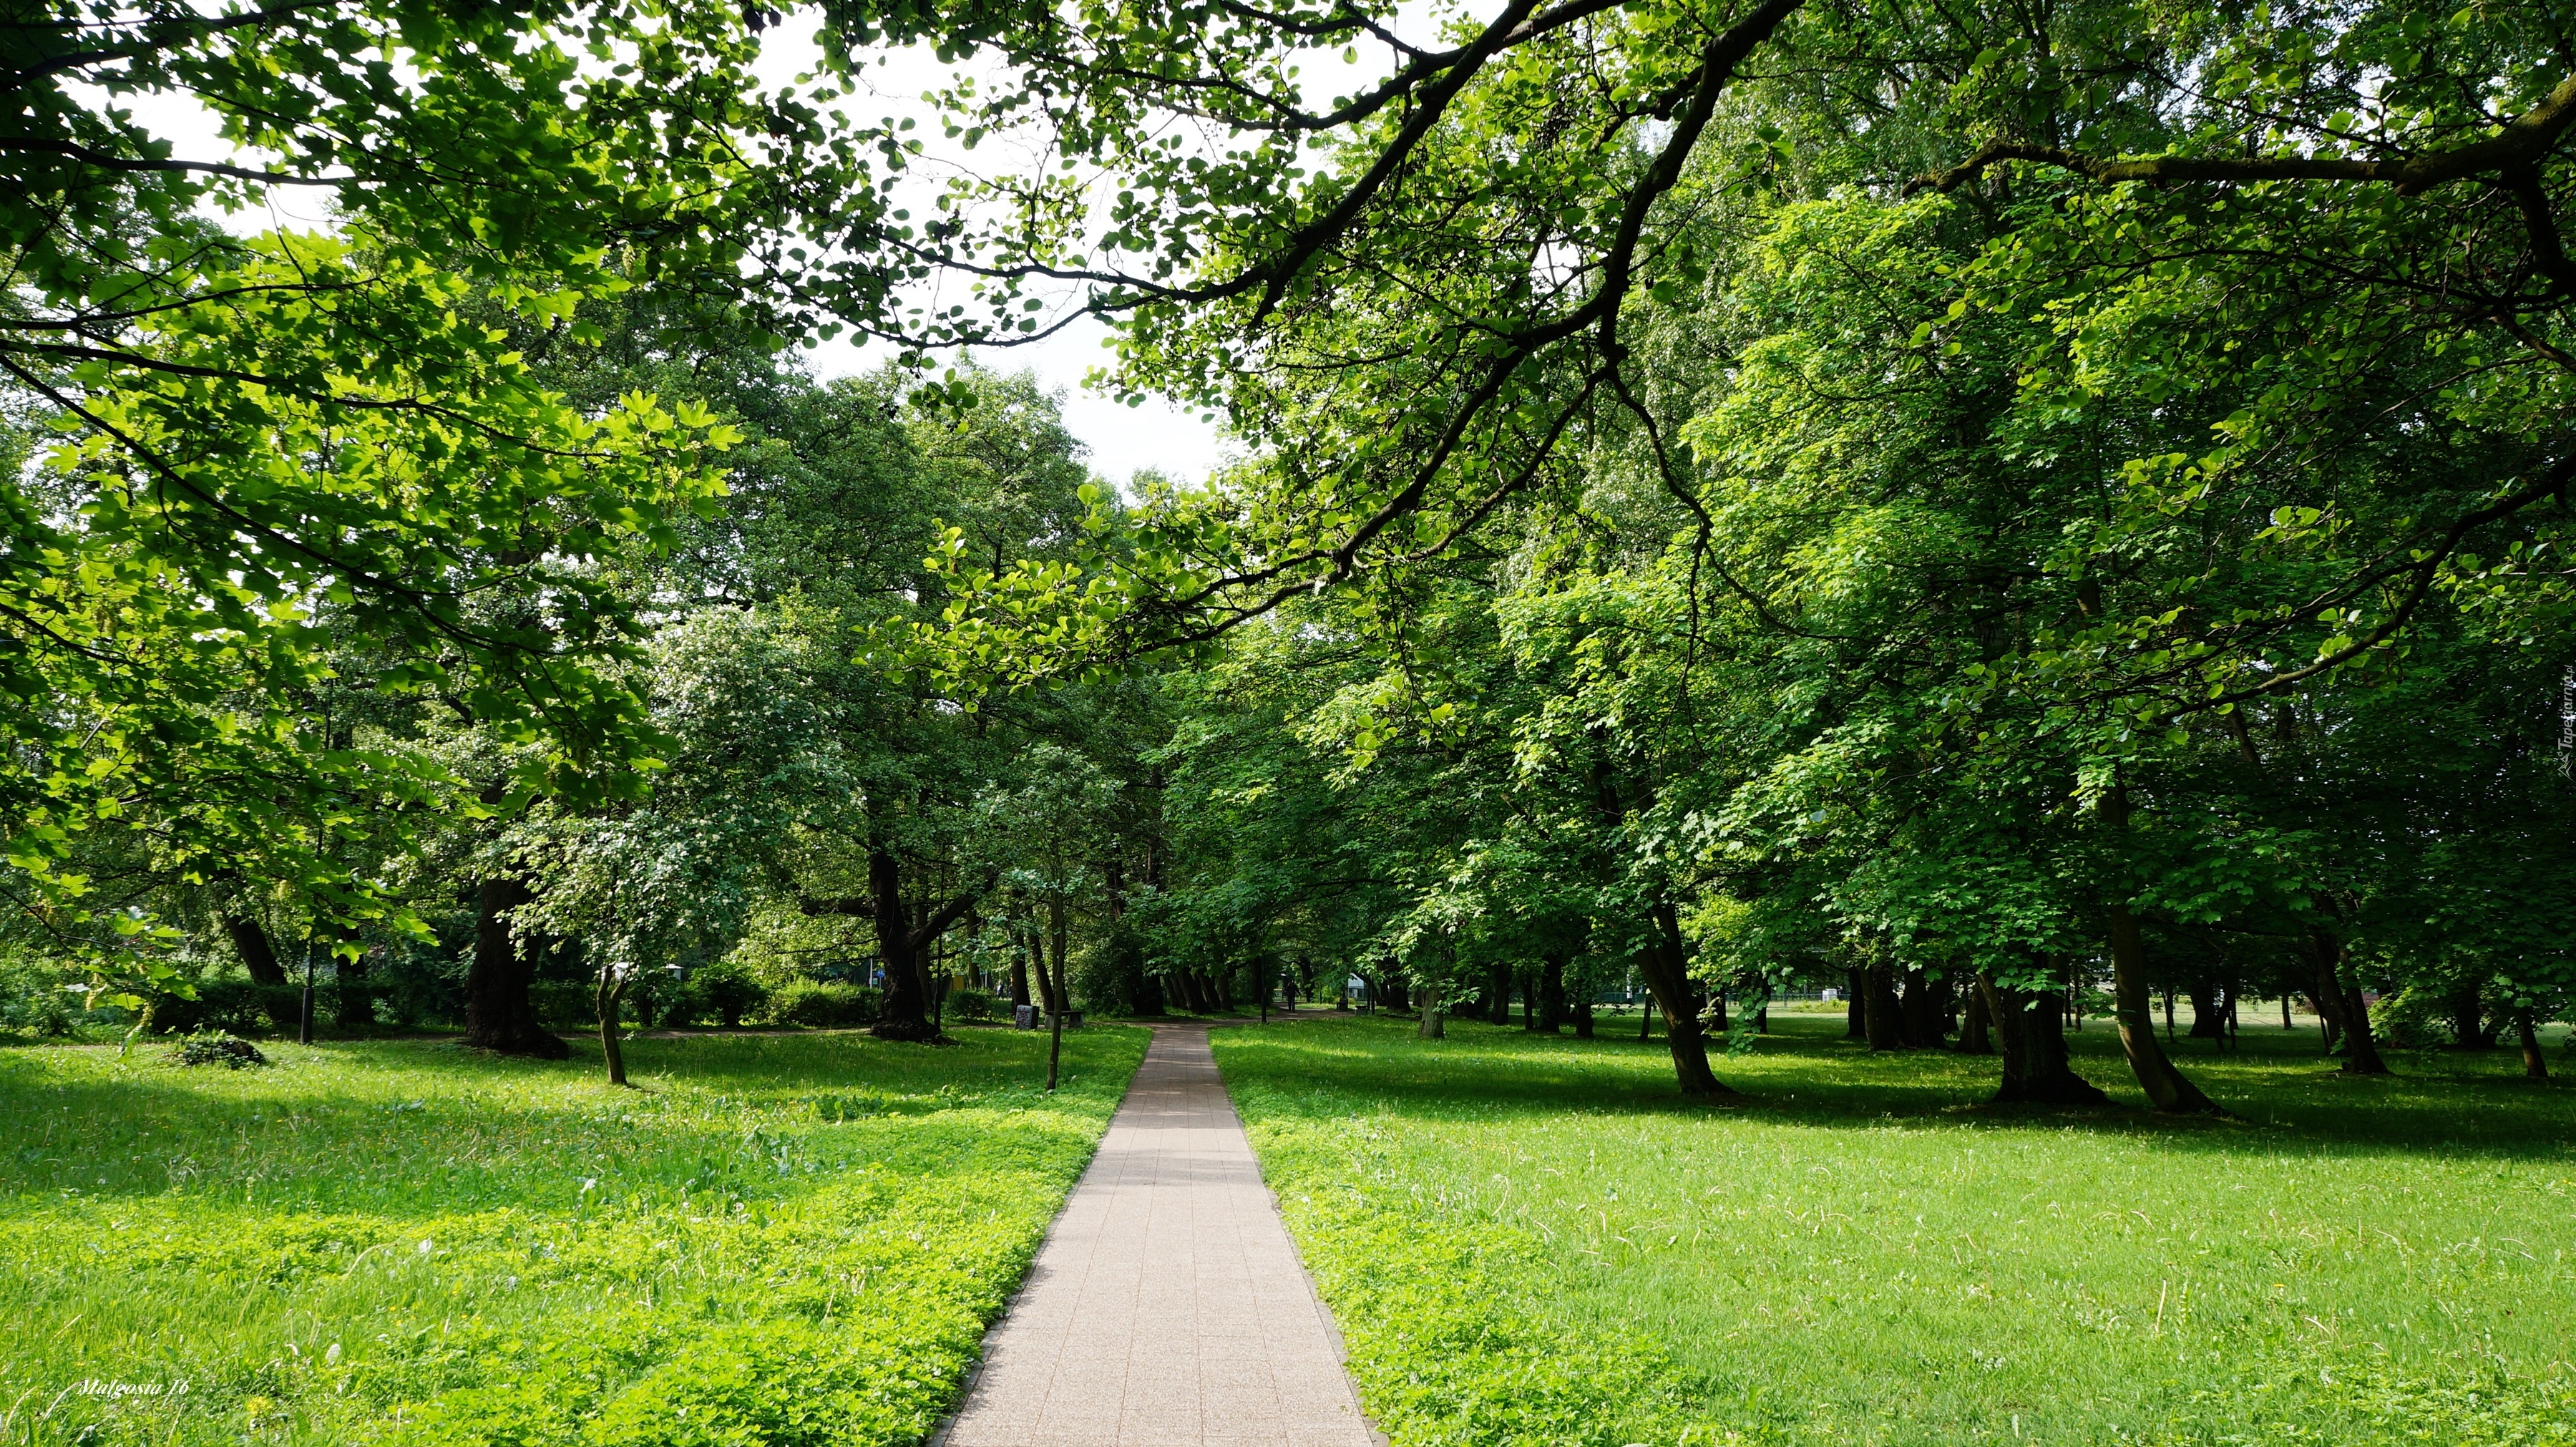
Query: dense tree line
x=1960 y=502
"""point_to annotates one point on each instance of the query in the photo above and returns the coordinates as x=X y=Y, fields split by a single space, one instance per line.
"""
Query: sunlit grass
x=1531 y=1239
x=779 y=1240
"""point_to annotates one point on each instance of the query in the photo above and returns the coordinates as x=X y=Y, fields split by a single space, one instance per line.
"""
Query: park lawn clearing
x=782 y=1240
x=1531 y=1239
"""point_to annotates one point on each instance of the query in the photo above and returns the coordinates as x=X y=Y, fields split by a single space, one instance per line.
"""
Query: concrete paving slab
x=1168 y=1307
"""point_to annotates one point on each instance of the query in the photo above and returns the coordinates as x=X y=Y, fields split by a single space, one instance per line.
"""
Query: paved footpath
x=1167 y=1306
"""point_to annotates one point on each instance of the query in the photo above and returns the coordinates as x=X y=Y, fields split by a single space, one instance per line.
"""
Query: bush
x=32 y=998
x=565 y=1004
x=223 y=1050
x=730 y=991
x=826 y=1006
x=232 y=1005
x=975 y=1005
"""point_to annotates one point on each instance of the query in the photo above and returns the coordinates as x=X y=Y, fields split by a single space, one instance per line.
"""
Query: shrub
x=825 y=1005
x=565 y=1004
x=231 y=1005
x=32 y=998
x=224 y=1050
x=731 y=992
x=975 y=1005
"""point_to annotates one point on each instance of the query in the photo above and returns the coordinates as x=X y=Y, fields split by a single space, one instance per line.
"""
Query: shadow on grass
x=2281 y=1092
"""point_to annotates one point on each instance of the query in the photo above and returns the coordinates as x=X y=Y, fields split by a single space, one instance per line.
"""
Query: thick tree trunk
x=1498 y=996
x=1582 y=1012
x=2534 y=1067
x=2470 y=1027
x=905 y=1012
x=2133 y=1009
x=1856 y=1005
x=1920 y=1019
x=1975 y=1035
x=2360 y=1043
x=250 y=941
x=357 y=1004
x=2208 y=1011
x=1667 y=970
x=2032 y=1030
x=1551 y=994
x=1432 y=1026
x=607 y=1000
x=1881 y=1011
x=499 y=1016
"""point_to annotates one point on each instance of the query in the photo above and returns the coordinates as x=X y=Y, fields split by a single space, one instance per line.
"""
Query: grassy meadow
x=1532 y=1239
x=778 y=1240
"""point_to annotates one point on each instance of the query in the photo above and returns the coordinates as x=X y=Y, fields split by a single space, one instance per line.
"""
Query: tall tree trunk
x=1975 y=1035
x=1582 y=1012
x=357 y=1003
x=905 y=1013
x=1058 y=930
x=1666 y=967
x=2360 y=1042
x=2470 y=1027
x=2534 y=1067
x=1716 y=1014
x=1881 y=1012
x=606 y=999
x=499 y=1016
x=1856 y=1005
x=2132 y=1001
x=1920 y=1022
x=1498 y=996
x=1392 y=994
x=1432 y=1027
x=2133 y=1008
x=1646 y=1018
x=1551 y=994
x=2208 y=1011
x=250 y=941
x=2032 y=1028
x=1019 y=963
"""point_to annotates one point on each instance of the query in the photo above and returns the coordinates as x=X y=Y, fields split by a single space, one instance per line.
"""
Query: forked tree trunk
x=2360 y=1042
x=905 y=1011
x=499 y=1015
x=2208 y=1011
x=2534 y=1067
x=2032 y=1029
x=607 y=998
x=251 y=942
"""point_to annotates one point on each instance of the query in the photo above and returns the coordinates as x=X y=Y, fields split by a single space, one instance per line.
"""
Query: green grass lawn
x=1530 y=1239
x=783 y=1240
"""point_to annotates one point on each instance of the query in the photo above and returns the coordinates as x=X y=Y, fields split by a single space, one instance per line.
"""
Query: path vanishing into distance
x=1167 y=1305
